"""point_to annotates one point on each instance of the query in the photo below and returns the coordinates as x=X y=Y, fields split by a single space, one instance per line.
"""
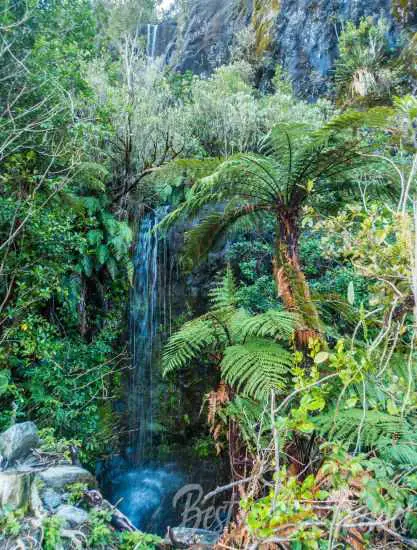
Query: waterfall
x=148 y=40
x=143 y=481
x=154 y=37
x=144 y=330
x=151 y=40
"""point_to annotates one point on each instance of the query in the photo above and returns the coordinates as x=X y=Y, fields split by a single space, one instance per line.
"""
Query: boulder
x=17 y=441
x=51 y=499
x=58 y=477
x=14 y=489
x=71 y=515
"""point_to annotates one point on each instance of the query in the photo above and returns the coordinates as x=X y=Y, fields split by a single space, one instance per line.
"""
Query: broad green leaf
x=321 y=357
x=94 y=236
x=4 y=380
x=102 y=254
x=351 y=293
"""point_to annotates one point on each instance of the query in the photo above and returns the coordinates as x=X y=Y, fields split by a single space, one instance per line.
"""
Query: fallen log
x=118 y=520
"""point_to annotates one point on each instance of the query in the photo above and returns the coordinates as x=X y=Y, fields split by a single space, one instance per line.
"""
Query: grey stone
x=17 y=441
x=14 y=489
x=192 y=537
x=72 y=515
x=51 y=499
x=35 y=502
x=58 y=477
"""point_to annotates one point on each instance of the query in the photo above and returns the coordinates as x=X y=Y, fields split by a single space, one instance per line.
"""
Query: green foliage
x=101 y=534
x=246 y=413
x=11 y=522
x=362 y=428
x=93 y=133
x=52 y=533
x=76 y=492
x=204 y=447
x=369 y=69
x=50 y=444
x=268 y=515
x=139 y=541
x=64 y=253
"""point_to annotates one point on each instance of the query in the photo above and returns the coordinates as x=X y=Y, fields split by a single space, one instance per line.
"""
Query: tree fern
x=253 y=366
x=223 y=294
x=295 y=166
x=257 y=367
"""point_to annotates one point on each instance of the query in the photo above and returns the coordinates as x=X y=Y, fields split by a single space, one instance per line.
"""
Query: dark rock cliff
x=210 y=28
x=305 y=37
x=303 y=34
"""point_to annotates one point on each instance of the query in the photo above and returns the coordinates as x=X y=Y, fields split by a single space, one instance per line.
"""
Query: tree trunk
x=290 y=280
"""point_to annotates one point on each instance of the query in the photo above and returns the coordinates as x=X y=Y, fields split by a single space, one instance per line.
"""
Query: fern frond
x=202 y=238
x=254 y=426
x=369 y=427
x=189 y=342
x=332 y=305
x=402 y=454
x=257 y=367
x=350 y=120
x=276 y=324
x=223 y=294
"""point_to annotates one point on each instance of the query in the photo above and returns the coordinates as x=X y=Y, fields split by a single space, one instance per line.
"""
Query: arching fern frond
x=257 y=367
x=350 y=120
x=189 y=343
x=203 y=237
x=276 y=324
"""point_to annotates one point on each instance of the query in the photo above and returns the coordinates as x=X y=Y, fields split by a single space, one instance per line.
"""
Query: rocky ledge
x=40 y=489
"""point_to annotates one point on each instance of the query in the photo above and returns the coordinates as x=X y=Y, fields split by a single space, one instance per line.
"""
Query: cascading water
x=152 y=36
x=144 y=319
x=141 y=484
x=144 y=485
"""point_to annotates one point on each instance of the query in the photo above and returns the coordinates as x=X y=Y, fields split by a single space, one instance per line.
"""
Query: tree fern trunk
x=290 y=280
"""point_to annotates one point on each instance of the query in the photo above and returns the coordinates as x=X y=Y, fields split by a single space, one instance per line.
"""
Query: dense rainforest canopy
x=291 y=352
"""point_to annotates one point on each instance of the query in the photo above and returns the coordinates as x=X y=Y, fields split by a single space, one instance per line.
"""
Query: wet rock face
x=305 y=37
x=209 y=33
x=17 y=441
